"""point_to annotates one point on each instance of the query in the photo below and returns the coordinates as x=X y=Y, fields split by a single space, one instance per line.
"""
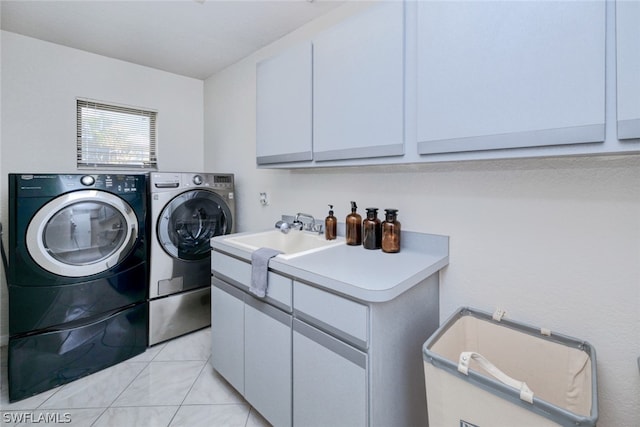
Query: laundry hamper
x=487 y=371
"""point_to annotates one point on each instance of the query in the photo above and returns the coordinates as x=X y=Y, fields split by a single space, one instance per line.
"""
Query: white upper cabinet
x=284 y=116
x=358 y=86
x=510 y=74
x=628 y=62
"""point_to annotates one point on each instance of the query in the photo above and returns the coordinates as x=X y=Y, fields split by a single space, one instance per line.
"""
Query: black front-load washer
x=77 y=276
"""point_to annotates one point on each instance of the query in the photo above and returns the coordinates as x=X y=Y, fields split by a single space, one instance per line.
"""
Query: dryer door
x=189 y=221
x=82 y=233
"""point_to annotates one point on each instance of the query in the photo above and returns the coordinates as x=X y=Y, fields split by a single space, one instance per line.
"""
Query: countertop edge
x=437 y=246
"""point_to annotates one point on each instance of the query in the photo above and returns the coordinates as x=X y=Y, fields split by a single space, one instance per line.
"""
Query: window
x=115 y=136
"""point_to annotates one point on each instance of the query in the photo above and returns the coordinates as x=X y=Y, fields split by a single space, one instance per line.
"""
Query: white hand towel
x=259 y=270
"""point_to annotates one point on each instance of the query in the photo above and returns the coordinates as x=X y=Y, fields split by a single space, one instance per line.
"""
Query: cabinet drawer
x=238 y=273
x=338 y=316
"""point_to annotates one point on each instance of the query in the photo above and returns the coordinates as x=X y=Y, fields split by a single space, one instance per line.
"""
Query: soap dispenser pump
x=353 y=227
x=330 y=225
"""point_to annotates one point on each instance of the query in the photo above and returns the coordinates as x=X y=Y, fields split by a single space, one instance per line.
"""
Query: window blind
x=111 y=136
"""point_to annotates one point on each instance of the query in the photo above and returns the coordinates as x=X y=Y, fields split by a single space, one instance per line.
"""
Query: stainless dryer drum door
x=82 y=233
x=189 y=221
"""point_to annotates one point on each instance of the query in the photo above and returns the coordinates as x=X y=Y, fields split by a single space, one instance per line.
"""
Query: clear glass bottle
x=353 y=227
x=391 y=232
x=371 y=230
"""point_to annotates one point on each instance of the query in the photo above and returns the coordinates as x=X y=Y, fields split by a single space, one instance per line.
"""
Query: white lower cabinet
x=267 y=363
x=329 y=380
x=227 y=333
x=251 y=349
x=304 y=356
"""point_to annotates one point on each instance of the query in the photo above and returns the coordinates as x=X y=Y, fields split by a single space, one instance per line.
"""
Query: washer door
x=189 y=221
x=82 y=233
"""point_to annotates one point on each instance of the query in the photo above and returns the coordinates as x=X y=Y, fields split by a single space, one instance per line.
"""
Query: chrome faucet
x=301 y=225
x=298 y=224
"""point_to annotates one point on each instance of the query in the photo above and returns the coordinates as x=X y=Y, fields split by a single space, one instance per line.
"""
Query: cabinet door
x=283 y=115
x=329 y=380
x=507 y=74
x=358 y=85
x=628 y=57
x=227 y=333
x=268 y=361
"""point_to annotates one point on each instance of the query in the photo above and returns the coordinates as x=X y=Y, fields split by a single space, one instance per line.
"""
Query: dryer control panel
x=162 y=181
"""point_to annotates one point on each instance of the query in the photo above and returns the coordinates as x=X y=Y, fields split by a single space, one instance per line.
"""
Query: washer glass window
x=190 y=220
x=82 y=233
x=85 y=233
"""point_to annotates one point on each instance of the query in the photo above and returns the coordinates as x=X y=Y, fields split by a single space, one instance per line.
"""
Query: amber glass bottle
x=330 y=225
x=371 y=230
x=353 y=226
x=391 y=232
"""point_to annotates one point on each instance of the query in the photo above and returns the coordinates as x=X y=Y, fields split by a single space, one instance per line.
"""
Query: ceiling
x=194 y=38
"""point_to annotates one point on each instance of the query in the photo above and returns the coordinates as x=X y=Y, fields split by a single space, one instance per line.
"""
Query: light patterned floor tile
x=149 y=354
x=257 y=420
x=161 y=383
x=211 y=415
x=97 y=390
x=24 y=404
x=210 y=388
x=148 y=416
x=146 y=390
x=194 y=346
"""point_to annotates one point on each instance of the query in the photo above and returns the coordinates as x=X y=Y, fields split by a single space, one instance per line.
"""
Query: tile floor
x=171 y=384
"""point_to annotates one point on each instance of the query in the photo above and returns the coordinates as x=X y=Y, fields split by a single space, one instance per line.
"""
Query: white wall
x=40 y=83
x=556 y=242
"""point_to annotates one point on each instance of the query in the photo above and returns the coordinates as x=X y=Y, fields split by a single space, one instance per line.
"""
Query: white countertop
x=366 y=275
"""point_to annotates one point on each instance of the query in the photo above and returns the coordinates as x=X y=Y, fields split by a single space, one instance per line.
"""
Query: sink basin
x=294 y=244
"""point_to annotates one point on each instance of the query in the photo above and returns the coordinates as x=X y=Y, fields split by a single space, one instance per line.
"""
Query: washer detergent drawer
x=43 y=361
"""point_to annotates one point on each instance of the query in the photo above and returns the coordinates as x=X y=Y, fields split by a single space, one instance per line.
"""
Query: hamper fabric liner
x=516 y=375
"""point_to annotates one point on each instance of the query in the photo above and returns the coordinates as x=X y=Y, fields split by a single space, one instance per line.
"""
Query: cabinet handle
x=330 y=343
x=268 y=310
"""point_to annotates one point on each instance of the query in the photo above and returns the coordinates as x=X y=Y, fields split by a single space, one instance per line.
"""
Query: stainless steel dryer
x=187 y=210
